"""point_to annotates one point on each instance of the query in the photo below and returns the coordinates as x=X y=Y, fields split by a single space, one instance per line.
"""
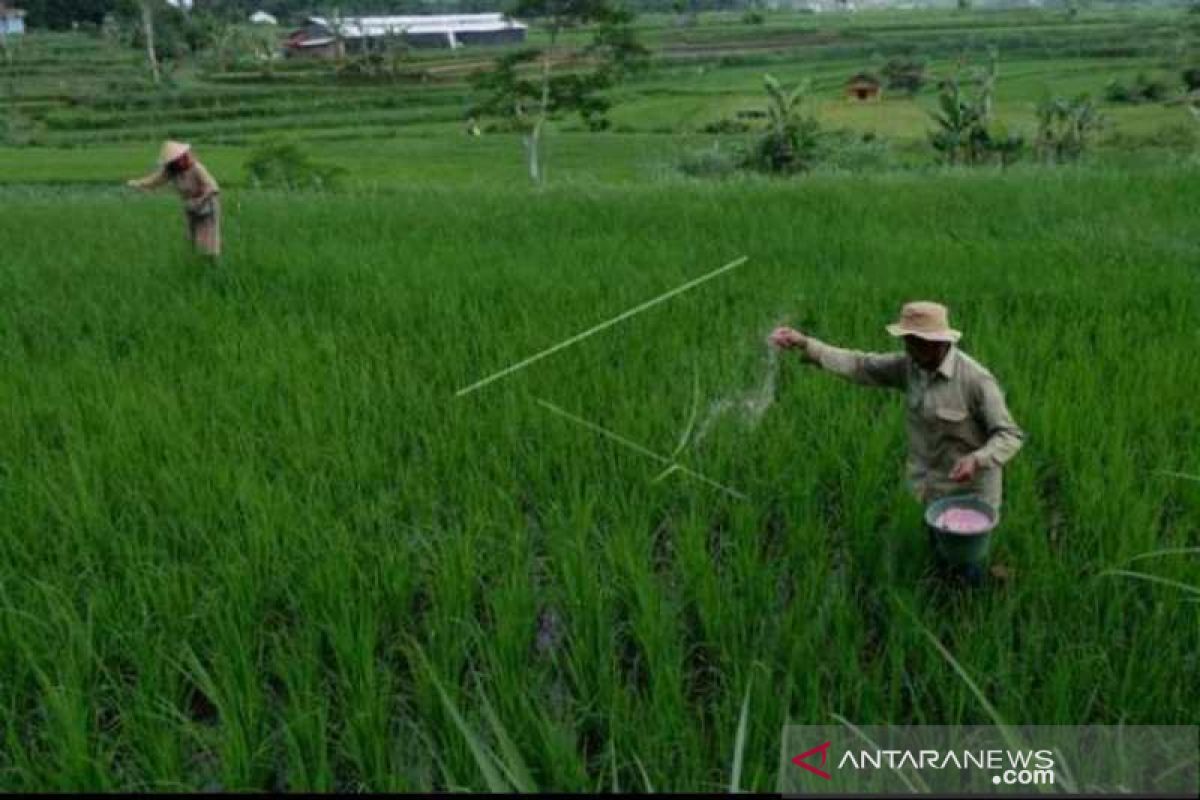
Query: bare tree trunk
x=339 y=41
x=148 y=32
x=533 y=141
x=531 y=152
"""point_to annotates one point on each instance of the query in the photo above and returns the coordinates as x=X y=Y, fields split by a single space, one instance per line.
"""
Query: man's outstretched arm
x=886 y=370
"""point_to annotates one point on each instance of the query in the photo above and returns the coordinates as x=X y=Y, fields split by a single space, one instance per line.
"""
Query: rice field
x=257 y=538
x=253 y=540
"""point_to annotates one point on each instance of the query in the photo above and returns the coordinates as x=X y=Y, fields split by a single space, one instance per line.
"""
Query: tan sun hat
x=925 y=320
x=171 y=151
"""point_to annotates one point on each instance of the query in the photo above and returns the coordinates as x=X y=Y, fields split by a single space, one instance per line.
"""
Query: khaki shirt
x=195 y=185
x=956 y=410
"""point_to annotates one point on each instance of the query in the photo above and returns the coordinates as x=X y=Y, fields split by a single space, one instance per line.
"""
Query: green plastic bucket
x=957 y=547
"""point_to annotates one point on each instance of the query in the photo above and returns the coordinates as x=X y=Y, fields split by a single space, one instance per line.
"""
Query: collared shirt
x=953 y=411
x=195 y=184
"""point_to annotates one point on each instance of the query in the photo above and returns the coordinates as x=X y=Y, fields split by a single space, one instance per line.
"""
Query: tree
x=967 y=133
x=904 y=74
x=233 y=43
x=1191 y=78
x=791 y=141
x=162 y=31
x=148 y=35
x=60 y=14
x=1065 y=128
x=527 y=87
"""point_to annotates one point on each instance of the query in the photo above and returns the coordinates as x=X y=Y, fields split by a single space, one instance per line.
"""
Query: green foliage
x=287 y=166
x=904 y=75
x=1065 y=128
x=1144 y=89
x=791 y=142
x=523 y=86
x=966 y=132
x=19 y=130
x=1191 y=78
x=753 y=16
x=854 y=151
x=240 y=45
x=61 y=14
x=252 y=541
x=526 y=87
x=725 y=126
x=711 y=162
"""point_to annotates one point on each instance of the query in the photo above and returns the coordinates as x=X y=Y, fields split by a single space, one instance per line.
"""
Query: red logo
x=800 y=761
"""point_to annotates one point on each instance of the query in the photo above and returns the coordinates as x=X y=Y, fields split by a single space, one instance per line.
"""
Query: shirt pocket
x=953 y=419
x=950 y=414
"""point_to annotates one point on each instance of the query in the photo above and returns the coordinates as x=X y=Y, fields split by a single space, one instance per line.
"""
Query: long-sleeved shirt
x=195 y=185
x=953 y=411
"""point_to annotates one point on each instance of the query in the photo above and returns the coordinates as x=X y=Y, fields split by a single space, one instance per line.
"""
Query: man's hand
x=788 y=338
x=964 y=469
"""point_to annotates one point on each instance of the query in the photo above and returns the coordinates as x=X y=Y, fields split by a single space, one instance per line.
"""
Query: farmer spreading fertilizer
x=960 y=433
x=202 y=209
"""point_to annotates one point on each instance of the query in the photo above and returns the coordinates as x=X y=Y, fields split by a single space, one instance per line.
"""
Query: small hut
x=864 y=86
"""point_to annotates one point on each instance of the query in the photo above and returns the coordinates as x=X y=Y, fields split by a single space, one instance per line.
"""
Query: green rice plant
x=253 y=541
x=252 y=490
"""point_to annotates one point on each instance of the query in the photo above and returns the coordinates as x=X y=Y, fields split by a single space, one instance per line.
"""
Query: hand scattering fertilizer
x=962 y=527
x=748 y=406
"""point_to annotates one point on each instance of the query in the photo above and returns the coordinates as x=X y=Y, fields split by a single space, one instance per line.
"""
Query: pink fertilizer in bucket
x=963 y=520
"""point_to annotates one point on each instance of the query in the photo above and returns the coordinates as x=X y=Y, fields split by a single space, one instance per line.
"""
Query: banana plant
x=792 y=138
x=966 y=132
x=1065 y=127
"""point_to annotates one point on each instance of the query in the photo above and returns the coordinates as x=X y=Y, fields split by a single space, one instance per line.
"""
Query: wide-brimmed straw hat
x=171 y=151
x=925 y=320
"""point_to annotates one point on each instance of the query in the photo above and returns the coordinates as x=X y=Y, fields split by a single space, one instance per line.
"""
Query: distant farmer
x=960 y=433
x=201 y=205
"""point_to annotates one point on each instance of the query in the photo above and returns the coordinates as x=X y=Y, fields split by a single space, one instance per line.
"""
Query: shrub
x=791 y=142
x=854 y=151
x=18 y=129
x=753 y=17
x=286 y=166
x=1191 y=78
x=710 y=163
x=1065 y=128
x=1143 y=90
x=725 y=126
x=904 y=75
x=967 y=133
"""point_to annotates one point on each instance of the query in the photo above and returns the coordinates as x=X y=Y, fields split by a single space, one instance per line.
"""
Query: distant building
x=864 y=86
x=263 y=18
x=322 y=38
x=12 y=21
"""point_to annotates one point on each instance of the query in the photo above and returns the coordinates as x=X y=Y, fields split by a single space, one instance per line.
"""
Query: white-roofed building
x=263 y=18
x=319 y=36
x=12 y=21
